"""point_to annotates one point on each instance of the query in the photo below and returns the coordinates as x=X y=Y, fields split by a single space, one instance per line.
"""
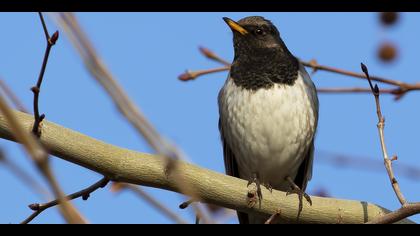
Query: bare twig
x=84 y=194
x=403 y=212
x=314 y=65
x=34 y=147
x=127 y=108
x=399 y=90
x=381 y=124
x=407 y=209
x=191 y=75
x=12 y=97
x=272 y=218
x=186 y=204
x=37 y=88
x=148 y=198
x=213 y=56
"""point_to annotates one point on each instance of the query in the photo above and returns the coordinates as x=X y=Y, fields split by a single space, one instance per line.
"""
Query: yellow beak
x=235 y=26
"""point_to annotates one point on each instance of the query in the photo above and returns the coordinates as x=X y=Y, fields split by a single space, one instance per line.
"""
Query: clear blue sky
x=147 y=51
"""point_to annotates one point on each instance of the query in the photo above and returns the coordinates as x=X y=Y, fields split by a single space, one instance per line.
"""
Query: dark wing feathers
x=231 y=168
x=305 y=170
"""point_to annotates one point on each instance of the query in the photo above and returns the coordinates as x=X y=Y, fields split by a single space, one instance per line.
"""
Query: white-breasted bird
x=268 y=110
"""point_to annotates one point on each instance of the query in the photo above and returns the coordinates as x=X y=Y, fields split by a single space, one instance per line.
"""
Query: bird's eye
x=259 y=32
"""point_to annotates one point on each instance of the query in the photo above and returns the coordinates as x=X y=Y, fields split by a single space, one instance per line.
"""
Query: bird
x=268 y=113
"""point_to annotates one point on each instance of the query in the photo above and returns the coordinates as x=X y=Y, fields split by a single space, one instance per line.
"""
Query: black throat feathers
x=262 y=69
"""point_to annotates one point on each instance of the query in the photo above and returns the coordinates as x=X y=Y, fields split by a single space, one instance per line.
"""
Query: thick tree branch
x=144 y=169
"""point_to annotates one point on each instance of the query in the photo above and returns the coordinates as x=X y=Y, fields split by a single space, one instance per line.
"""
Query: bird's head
x=255 y=34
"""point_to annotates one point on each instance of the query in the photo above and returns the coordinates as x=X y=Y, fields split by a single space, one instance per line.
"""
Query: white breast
x=269 y=130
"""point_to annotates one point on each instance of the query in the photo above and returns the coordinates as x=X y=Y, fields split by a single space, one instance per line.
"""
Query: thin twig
x=191 y=75
x=84 y=194
x=272 y=218
x=37 y=88
x=381 y=125
x=186 y=204
x=314 y=65
x=127 y=108
x=407 y=209
x=399 y=90
x=213 y=56
x=33 y=146
x=12 y=97
x=393 y=91
x=151 y=200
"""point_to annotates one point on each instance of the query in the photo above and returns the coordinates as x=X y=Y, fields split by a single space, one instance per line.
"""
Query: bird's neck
x=262 y=68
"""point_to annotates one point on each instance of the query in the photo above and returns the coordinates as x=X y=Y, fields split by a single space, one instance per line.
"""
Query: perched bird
x=268 y=110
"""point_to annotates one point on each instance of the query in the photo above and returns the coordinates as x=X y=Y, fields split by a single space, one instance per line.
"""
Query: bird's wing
x=231 y=168
x=305 y=170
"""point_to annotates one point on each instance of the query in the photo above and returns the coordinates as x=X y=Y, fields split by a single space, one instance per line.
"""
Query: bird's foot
x=301 y=194
x=268 y=187
x=254 y=191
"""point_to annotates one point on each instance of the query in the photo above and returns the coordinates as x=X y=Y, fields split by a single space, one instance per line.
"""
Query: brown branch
x=272 y=218
x=213 y=56
x=84 y=194
x=394 y=91
x=406 y=209
x=191 y=75
x=314 y=65
x=399 y=90
x=148 y=198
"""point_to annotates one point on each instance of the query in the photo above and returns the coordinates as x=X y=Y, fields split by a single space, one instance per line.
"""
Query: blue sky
x=147 y=51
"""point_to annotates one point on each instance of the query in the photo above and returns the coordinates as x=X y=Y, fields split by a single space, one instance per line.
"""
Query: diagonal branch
x=123 y=165
x=407 y=209
x=84 y=194
x=381 y=125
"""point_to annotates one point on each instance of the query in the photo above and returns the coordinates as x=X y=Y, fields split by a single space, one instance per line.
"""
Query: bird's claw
x=301 y=194
x=254 y=194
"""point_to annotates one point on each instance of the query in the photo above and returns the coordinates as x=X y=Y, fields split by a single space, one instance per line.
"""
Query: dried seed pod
x=389 y=18
x=387 y=52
